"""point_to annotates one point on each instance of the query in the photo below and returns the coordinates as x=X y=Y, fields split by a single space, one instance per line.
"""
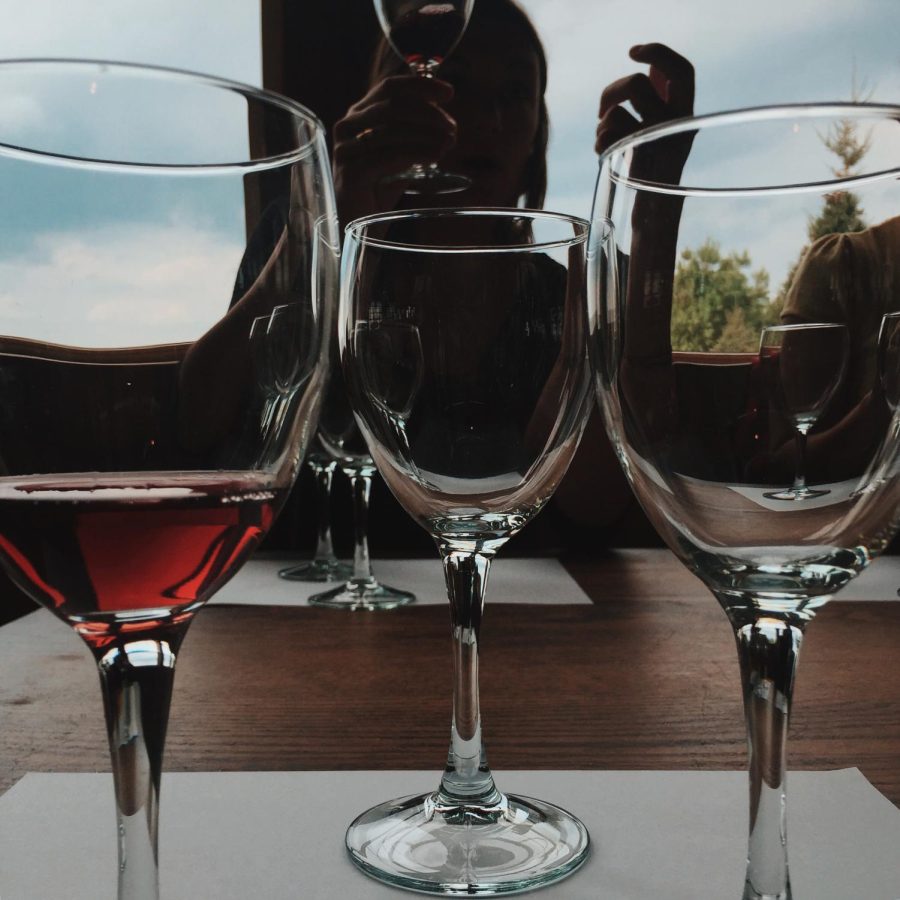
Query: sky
x=744 y=53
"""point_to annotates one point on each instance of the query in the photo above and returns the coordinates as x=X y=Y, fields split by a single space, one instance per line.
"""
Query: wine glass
x=324 y=566
x=423 y=33
x=341 y=440
x=802 y=366
x=702 y=237
x=162 y=360
x=463 y=341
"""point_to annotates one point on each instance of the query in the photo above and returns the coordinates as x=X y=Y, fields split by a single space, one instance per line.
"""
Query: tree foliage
x=719 y=304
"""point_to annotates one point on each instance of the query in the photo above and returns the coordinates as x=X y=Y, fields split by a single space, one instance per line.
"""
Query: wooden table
x=646 y=678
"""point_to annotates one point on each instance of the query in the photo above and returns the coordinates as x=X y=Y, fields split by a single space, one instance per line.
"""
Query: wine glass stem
x=768 y=649
x=361 y=486
x=467 y=777
x=136 y=678
x=324 y=547
x=800 y=471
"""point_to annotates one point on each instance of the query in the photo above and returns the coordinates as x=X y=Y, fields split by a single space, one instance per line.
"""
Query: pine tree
x=841 y=212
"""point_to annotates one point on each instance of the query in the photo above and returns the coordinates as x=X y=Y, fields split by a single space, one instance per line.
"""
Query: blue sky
x=745 y=53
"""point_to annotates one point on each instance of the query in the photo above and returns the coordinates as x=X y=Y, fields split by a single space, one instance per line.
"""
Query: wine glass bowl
x=464 y=347
x=735 y=306
x=162 y=356
x=423 y=33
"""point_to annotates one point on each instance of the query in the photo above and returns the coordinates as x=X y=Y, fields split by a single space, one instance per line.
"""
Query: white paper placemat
x=279 y=835
x=511 y=581
x=881 y=581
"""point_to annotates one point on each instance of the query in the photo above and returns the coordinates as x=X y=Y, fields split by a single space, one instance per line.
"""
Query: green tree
x=718 y=304
x=841 y=212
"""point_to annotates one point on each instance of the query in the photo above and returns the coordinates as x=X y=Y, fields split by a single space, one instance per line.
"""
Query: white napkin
x=511 y=581
x=279 y=835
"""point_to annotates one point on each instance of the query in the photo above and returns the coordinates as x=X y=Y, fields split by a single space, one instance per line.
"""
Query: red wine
x=427 y=34
x=103 y=550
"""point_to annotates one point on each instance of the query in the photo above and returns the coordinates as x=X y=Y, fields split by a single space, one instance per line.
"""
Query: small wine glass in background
x=148 y=437
x=464 y=346
x=342 y=442
x=802 y=366
x=324 y=566
x=423 y=34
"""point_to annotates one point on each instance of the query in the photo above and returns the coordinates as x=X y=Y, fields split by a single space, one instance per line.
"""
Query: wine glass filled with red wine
x=423 y=34
x=162 y=358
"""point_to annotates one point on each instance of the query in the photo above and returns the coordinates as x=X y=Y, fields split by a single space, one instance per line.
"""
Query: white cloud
x=119 y=286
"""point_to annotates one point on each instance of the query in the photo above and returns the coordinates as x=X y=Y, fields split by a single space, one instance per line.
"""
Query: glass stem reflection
x=361 y=486
x=768 y=649
x=136 y=678
x=324 y=547
x=800 y=433
x=467 y=778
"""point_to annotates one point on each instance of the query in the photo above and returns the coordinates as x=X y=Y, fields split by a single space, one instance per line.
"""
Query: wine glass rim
x=771 y=113
x=270 y=98
x=802 y=326
x=356 y=229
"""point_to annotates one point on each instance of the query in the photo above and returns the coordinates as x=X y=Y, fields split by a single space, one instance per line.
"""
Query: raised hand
x=665 y=92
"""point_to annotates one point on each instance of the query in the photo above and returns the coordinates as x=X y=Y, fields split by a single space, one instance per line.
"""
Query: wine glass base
x=796 y=494
x=427 y=180
x=358 y=594
x=317 y=570
x=516 y=846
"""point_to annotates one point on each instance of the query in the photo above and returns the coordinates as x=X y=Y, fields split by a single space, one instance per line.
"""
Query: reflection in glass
x=705 y=232
x=463 y=339
x=802 y=366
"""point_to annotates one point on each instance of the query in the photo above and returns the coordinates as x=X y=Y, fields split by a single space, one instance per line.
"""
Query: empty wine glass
x=154 y=415
x=342 y=441
x=463 y=340
x=423 y=33
x=686 y=270
x=802 y=366
x=324 y=566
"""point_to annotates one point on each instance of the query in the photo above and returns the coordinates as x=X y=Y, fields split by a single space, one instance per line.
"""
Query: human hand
x=666 y=92
x=399 y=122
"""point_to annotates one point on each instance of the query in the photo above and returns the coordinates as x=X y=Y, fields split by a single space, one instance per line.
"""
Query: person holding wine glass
x=485 y=116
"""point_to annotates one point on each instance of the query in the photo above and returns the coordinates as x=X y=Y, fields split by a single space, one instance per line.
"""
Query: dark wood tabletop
x=645 y=678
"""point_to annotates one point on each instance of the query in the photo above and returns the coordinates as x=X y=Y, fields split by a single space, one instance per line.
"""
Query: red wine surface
x=107 y=548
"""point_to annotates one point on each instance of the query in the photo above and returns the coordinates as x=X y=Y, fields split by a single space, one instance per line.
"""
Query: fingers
x=638 y=90
x=665 y=92
x=615 y=125
x=671 y=74
x=399 y=119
